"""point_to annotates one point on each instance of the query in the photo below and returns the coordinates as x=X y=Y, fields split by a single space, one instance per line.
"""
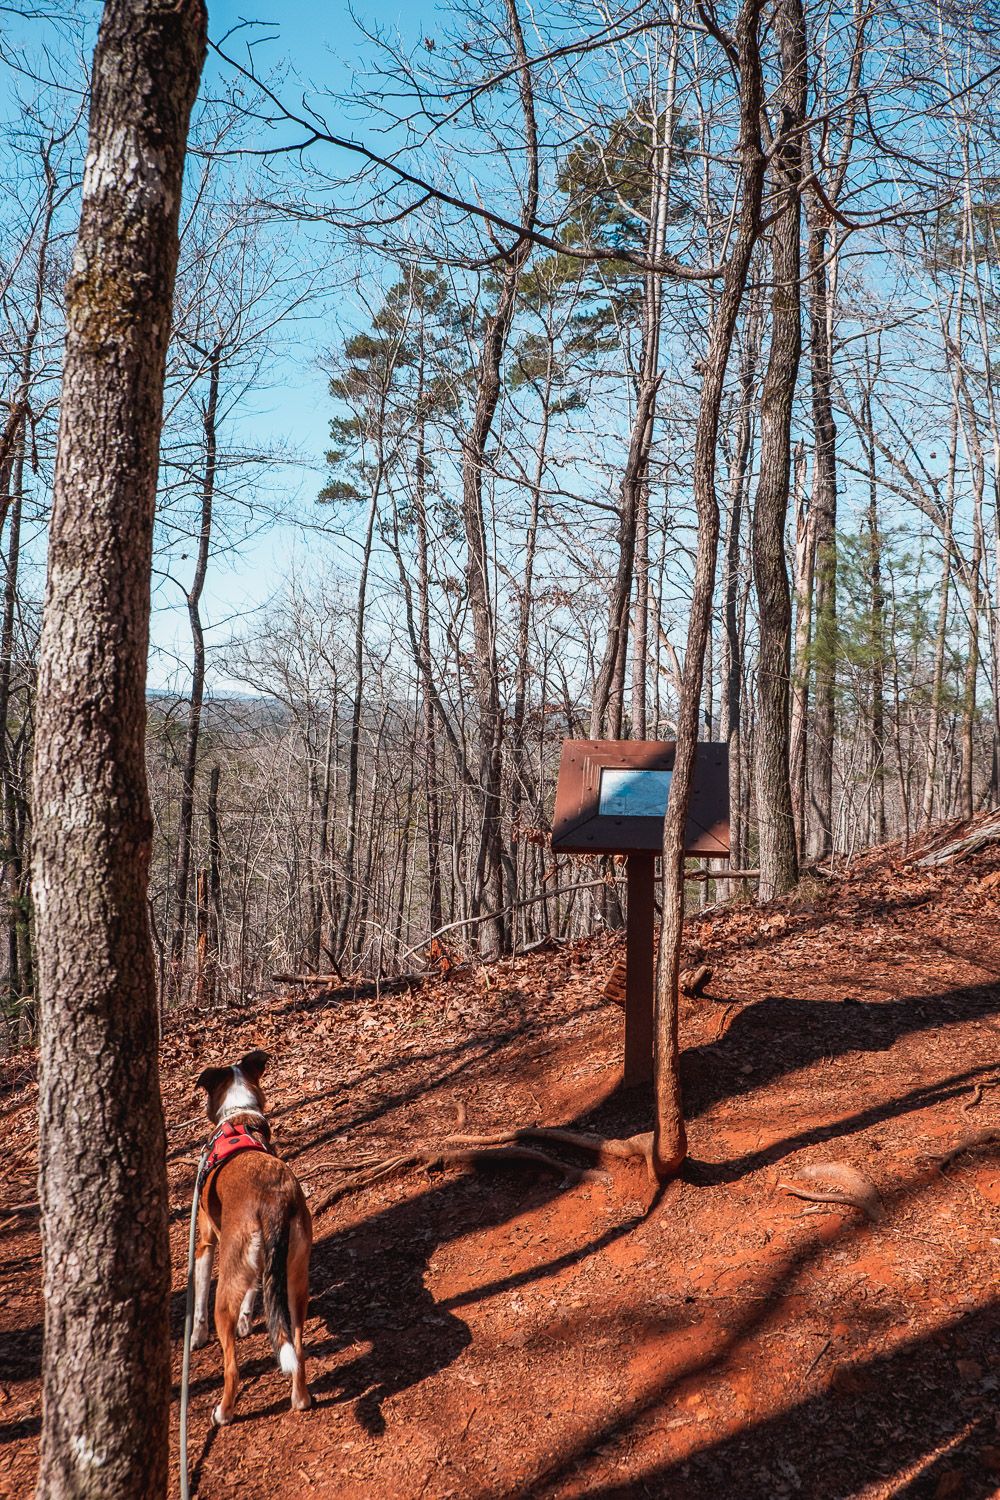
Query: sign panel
x=612 y=794
x=633 y=794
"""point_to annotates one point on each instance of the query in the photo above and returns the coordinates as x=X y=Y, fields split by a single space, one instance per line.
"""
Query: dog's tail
x=274 y=1227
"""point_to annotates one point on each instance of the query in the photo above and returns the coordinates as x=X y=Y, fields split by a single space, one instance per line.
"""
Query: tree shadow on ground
x=910 y=1411
x=376 y=1297
x=369 y=1282
x=874 y=1422
x=778 y=1035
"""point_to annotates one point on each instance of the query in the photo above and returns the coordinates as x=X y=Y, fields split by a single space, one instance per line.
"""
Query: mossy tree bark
x=106 y=1375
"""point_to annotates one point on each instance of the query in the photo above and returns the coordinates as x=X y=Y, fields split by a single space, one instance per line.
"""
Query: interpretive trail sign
x=611 y=798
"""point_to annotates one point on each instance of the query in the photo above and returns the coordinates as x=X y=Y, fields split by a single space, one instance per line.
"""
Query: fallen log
x=986 y=832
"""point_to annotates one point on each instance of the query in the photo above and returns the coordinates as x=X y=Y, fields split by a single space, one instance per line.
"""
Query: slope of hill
x=508 y=1332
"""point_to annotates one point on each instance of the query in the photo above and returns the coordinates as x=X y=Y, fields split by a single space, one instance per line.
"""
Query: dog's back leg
x=228 y=1300
x=298 y=1305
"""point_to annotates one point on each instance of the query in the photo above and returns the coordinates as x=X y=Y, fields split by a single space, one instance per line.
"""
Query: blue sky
x=316 y=47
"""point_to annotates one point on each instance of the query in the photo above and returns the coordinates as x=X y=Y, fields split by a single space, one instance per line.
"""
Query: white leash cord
x=188 y=1326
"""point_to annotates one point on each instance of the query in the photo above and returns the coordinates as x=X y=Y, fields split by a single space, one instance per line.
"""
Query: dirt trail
x=503 y=1333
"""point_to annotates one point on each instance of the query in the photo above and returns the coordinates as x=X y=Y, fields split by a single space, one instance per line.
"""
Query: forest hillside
x=503 y=1329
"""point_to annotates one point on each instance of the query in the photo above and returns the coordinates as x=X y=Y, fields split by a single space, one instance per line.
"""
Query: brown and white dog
x=252 y=1206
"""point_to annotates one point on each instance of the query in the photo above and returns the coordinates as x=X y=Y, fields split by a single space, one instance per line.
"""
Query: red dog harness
x=229 y=1140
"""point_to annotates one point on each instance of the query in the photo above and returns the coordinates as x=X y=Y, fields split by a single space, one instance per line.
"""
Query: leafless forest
x=658 y=345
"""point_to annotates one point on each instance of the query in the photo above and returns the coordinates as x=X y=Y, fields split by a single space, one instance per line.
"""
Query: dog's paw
x=302 y=1403
x=219 y=1417
x=199 y=1336
x=244 y=1326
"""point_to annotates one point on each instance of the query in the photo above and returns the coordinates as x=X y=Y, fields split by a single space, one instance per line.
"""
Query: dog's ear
x=253 y=1065
x=211 y=1078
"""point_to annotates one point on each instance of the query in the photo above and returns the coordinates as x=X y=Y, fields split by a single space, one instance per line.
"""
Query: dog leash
x=188 y=1328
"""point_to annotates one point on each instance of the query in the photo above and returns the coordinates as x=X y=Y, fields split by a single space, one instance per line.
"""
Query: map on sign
x=633 y=794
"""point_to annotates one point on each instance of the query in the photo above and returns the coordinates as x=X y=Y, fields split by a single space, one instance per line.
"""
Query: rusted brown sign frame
x=579 y=827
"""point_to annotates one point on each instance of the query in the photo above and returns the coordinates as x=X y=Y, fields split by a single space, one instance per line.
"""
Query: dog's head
x=233 y=1088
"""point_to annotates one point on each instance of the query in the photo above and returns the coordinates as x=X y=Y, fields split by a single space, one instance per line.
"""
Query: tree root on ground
x=851 y=1188
x=966 y=1143
x=498 y=1146
x=604 y=1148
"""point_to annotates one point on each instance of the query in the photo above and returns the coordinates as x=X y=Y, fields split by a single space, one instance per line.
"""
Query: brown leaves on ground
x=502 y=1330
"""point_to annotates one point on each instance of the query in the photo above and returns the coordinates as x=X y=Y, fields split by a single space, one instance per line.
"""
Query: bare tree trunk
x=487 y=887
x=606 y=713
x=805 y=558
x=433 y=809
x=13 y=854
x=819 y=836
x=519 y=768
x=106 y=1371
x=876 y=644
x=185 y=819
x=776 y=825
x=15 y=876
x=937 y=683
x=824 y=510
x=214 y=928
x=354 y=748
x=640 y=630
x=669 y=1135
x=734 y=635
x=971 y=678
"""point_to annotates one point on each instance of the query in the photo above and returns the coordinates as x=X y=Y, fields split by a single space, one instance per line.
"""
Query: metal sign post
x=611 y=798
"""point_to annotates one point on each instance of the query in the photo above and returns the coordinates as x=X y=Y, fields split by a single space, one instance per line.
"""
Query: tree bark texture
x=824 y=509
x=669 y=1137
x=776 y=824
x=106 y=1376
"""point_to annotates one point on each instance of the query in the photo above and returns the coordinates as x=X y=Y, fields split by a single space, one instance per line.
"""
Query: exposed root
x=365 y=1173
x=966 y=1143
x=604 y=1148
x=497 y=1146
x=851 y=1189
x=976 y=1098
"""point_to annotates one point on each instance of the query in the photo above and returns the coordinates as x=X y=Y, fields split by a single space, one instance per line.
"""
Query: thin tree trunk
x=106 y=1366
x=215 y=906
x=185 y=819
x=669 y=1135
x=487 y=886
x=354 y=748
x=775 y=821
x=733 y=637
x=824 y=510
x=805 y=559
x=876 y=643
x=431 y=796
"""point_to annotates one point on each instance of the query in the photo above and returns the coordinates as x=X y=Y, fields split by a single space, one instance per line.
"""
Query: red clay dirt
x=503 y=1332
